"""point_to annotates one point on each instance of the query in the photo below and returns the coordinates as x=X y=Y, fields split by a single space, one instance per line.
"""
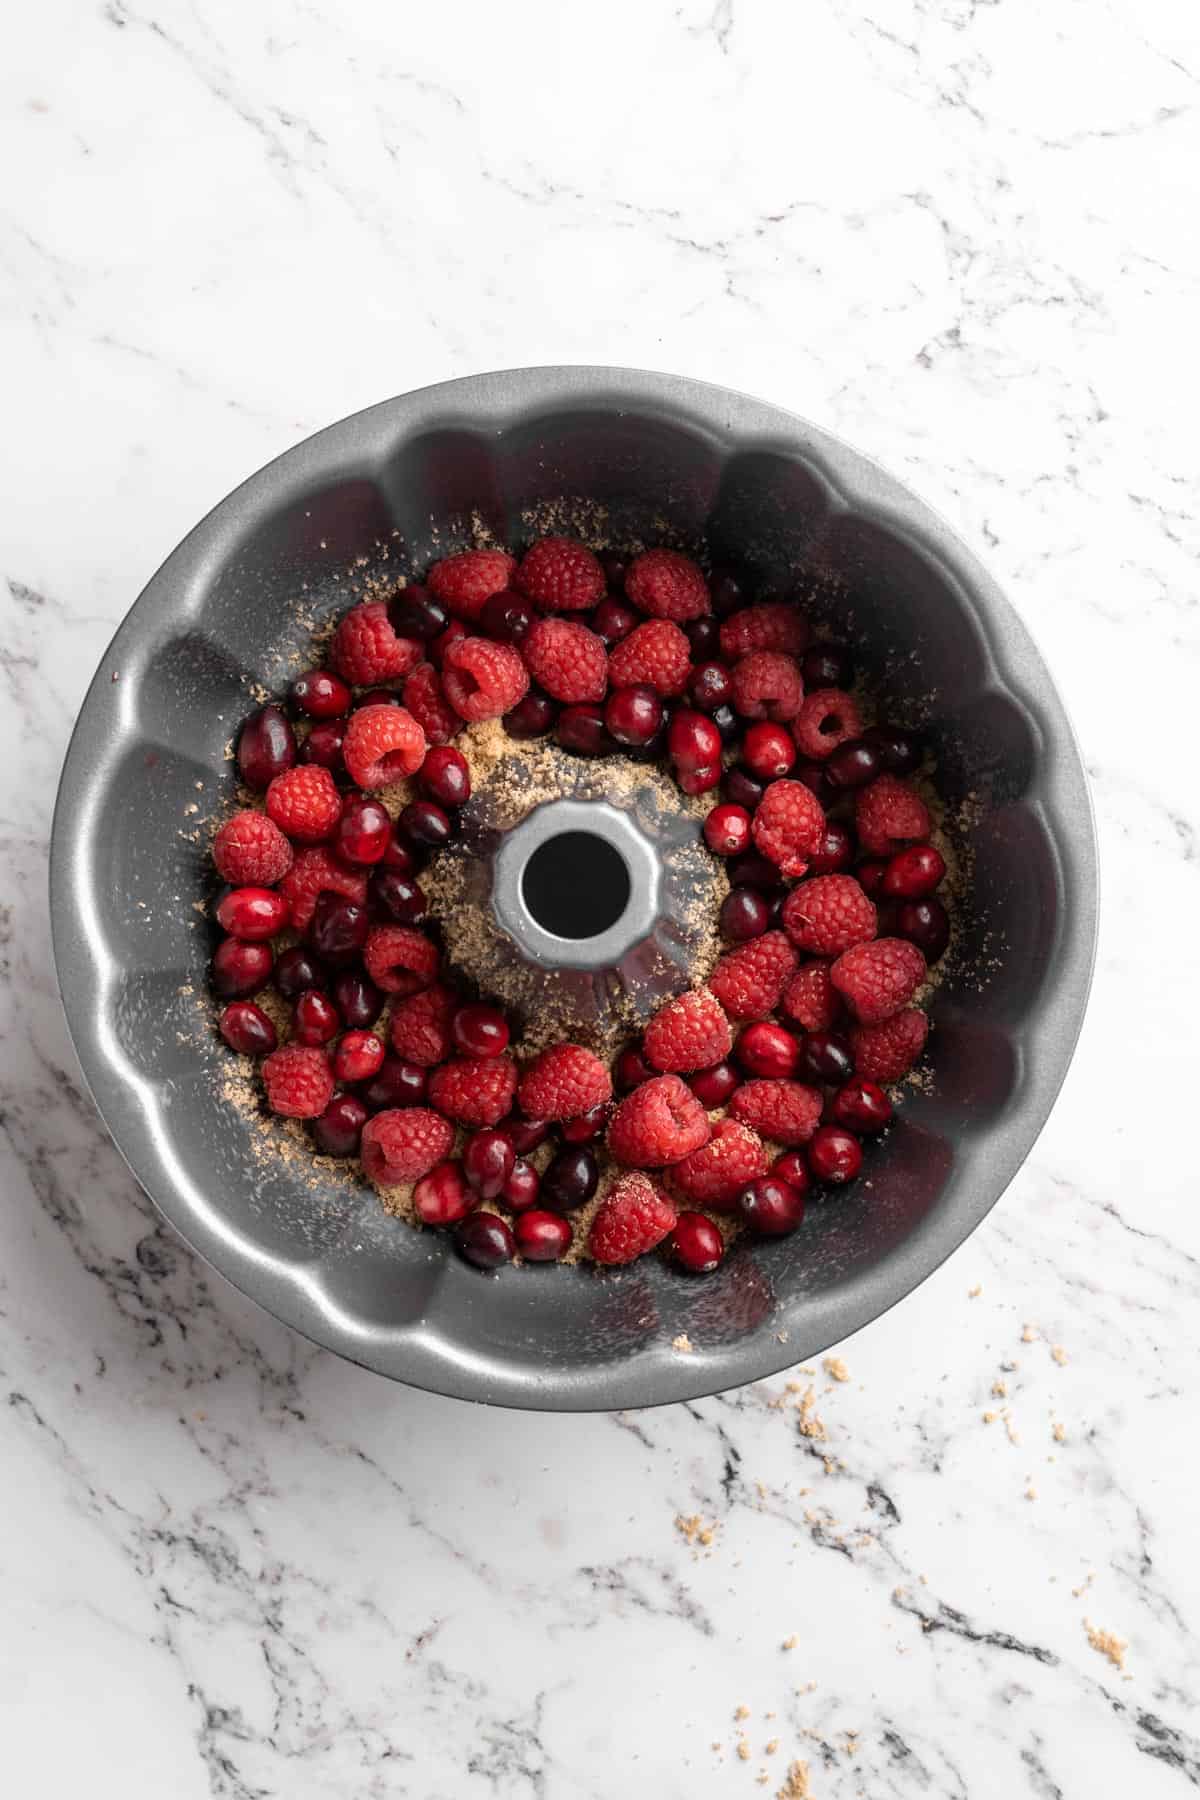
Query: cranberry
x=834 y=1154
x=445 y=776
x=443 y=1197
x=770 y=1206
x=728 y=592
x=480 y=1030
x=454 y=633
x=699 y=781
x=899 y=752
x=741 y=788
x=693 y=741
x=542 y=1236
x=813 y=775
x=323 y=745
x=487 y=1162
x=615 y=567
x=586 y=1127
x=869 y=876
x=485 y=1240
x=266 y=748
x=613 y=620
x=239 y=969
x=396 y=1084
x=926 y=924
x=654 y=749
x=704 y=639
x=531 y=717
x=296 y=970
x=525 y=1134
x=631 y=1070
x=507 y=617
x=853 y=764
x=767 y=1050
x=252 y=913
x=582 y=729
x=424 y=824
x=728 y=724
x=358 y=1000
x=377 y=696
x=571 y=1178
x=315 y=1019
x=827 y=666
x=399 y=856
x=835 y=850
x=911 y=874
x=696 y=1244
x=713 y=1087
x=247 y=1029
x=709 y=686
x=358 y=1056
x=399 y=896
x=633 y=715
x=320 y=694
x=520 y=1191
x=339 y=929
x=414 y=613
x=755 y=871
x=727 y=830
x=339 y=1127
x=825 y=1057
x=768 y=751
x=792 y=1168
x=862 y=1106
x=745 y=914
x=364 y=831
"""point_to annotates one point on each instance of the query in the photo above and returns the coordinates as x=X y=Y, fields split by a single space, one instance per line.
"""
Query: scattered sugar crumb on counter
x=836 y=1369
x=742 y=1711
x=789 y=1643
x=1059 y=1354
x=771 y=1746
x=683 y=1344
x=1106 y=1643
x=974 y=1293
x=810 y=1423
x=1029 y=1334
x=692 y=1528
x=1058 y=1432
x=795 y=1786
x=1031 y=1492
x=999 y=1389
x=1084 y=1585
x=744 y=1750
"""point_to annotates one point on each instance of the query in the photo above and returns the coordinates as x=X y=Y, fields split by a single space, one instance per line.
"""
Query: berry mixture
x=746 y=1097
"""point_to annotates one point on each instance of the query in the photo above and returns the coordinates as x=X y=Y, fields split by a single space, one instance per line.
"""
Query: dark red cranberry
x=926 y=924
x=542 y=1236
x=507 y=617
x=571 y=1178
x=239 y=969
x=586 y=1127
x=358 y=1057
x=323 y=746
x=485 y=1240
x=400 y=857
x=835 y=851
x=315 y=1019
x=869 y=876
x=655 y=748
x=377 y=696
x=425 y=824
x=631 y=1070
x=693 y=742
x=633 y=715
x=727 y=830
x=454 y=633
x=525 y=1134
x=696 y=1244
x=827 y=666
x=247 y=1029
x=813 y=775
x=709 y=685
x=445 y=777
x=339 y=1127
x=613 y=620
x=615 y=567
x=755 y=871
x=792 y=1168
x=853 y=764
x=862 y=1106
x=320 y=694
x=728 y=591
x=399 y=896
x=729 y=726
x=911 y=874
x=480 y=1030
x=887 y=916
x=770 y=1206
x=699 y=781
x=397 y=1084
x=704 y=641
x=339 y=929
x=742 y=789
x=745 y=914
x=532 y=717
x=443 y=1196
x=768 y=751
x=414 y=613
x=713 y=1087
x=582 y=729
x=520 y=1191
x=252 y=913
x=364 y=831
x=767 y=1050
x=358 y=1000
x=899 y=752
x=825 y=1057
x=487 y=1162
x=296 y=970
x=266 y=747
x=834 y=1154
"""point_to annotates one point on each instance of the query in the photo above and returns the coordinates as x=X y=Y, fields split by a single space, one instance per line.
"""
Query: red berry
x=320 y=694
x=425 y=698
x=888 y=1051
x=792 y=1168
x=667 y=585
x=588 y=1126
x=239 y=968
x=810 y=998
x=383 y=744
x=785 y=1112
x=357 y=999
x=525 y=1134
x=825 y=1057
x=252 y=913
x=712 y=1087
x=533 y=717
x=813 y=775
x=688 y=1033
x=634 y=1216
x=487 y=1162
x=914 y=873
x=297 y=969
x=376 y=696
x=305 y=803
x=888 y=814
x=699 y=781
x=827 y=666
x=748 y=981
x=631 y=1070
x=566 y=660
x=474 y=1091
x=771 y=625
x=542 y=1236
x=315 y=1019
x=358 y=1057
x=770 y=1206
x=853 y=764
x=727 y=830
x=714 y=1174
x=693 y=741
x=696 y=1244
x=656 y=654
x=834 y=1154
x=339 y=1128
x=485 y=1240
x=926 y=924
x=582 y=729
x=483 y=680
x=425 y=826
x=298 y=1081
x=455 y=633
x=704 y=637
x=570 y=1179
x=266 y=748
x=788 y=826
x=559 y=574
x=612 y=621
x=827 y=719
x=466 y=582
x=521 y=1189
x=250 y=850
x=744 y=914
x=338 y=930
x=419 y=1028
x=862 y=1105
x=316 y=872
x=767 y=1049
x=829 y=914
x=443 y=1197
x=877 y=979
x=562 y=1082
x=399 y=896
x=323 y=746
x=767 y=685
x=710 y=685
x=395 y=1084
x=400 y=960
x=247 y=1029
x=415 y=613
x=899 y=751
x=366 y=650
x=768 y=751
x=658 y=1123
x=835 y=849
x=480 y=1030
x=633 y=715
x=363 y=832
x=403 y=1144
x=445 y=777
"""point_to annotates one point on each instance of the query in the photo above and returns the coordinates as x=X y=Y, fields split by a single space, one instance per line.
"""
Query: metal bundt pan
x=666 y=457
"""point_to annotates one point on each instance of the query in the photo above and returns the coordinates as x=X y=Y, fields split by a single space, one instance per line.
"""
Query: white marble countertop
x=962 y=234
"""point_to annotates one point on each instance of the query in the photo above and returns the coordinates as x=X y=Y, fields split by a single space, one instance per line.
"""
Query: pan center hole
x=575 y=885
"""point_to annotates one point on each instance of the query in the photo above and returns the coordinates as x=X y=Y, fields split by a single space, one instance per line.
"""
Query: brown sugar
x=1106 y=1643
x=836 y=1369
x=795 y=1786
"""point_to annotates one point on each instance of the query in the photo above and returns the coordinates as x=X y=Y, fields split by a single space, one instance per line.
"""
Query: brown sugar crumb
x=1029 y=1334
x=795 y=1786
x=836 y=1369
x=789 y=1643
x=999 y=1389
x=974 y=1293
x=810 y=1424
x=989 y=1418
x=744 y=1750
x=682 y=1343
x=1031 y=1492
x=693 y=1530
x=742 y=1712
x=1084 y=1585
x=1059 y=1354
x=1058 y=1432
x=1106 y=1643
x=770 y=1747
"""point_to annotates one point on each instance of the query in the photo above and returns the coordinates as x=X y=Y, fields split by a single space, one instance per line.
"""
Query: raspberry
x=660 y=1122
x=827 y=718
x=483 y=680
x=888 y=1051
x=425 y=698
x=767 y=685
x=715 y=1174
x=403 y=1144
x=382 y=744
x=299 y=1082
x=474 y=1090
x=559 y=574
x=749 y=980
x=563 y=1082
x=420 y=1025
x=316 y=872
x=829 y=914
x=566 y=659
x=687 y=1034
x=788 y=825
x=810 y=998
x=787 y=1112
x=305 y=803
x=465 y=583
x=400 y=960
x=878 y=979
x=251 y=851
x=668 y=585
x=633 y=1217
x=772 y=625
x=889 y=814
x=656 y=654
x=365 y=649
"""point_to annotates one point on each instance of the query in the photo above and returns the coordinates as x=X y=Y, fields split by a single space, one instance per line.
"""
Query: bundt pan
x=667 y=460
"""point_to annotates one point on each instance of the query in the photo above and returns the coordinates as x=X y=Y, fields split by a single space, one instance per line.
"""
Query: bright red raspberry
x=810 y=998
x=251 y=851
x=483 y=680
x=829 y=914
x=827 y=718
x=563 y=1082
x=689 y=1033
x=668 y=585
x=660 y=1122
x=382 y=744
x=465 y=583
x=714 y=1175
x=425 y=698
x=634 y=1216
x=767 y=685
x=749 y=980
x=299 y=1082
x=400 y=960
x=788 y=825
x=888 y=1051
x=365 y=649
x=305 y=803
x=566 y=659
x=420 y=1025
x=772 y=625
x=404 y=1143
x=656 y=654
x=786 y=1112
x=316 y=872
x=559 y=574
x=877 y=979
x=889 y=814
x=474 y=1090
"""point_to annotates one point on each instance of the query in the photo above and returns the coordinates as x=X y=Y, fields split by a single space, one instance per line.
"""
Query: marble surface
x=962 y=234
